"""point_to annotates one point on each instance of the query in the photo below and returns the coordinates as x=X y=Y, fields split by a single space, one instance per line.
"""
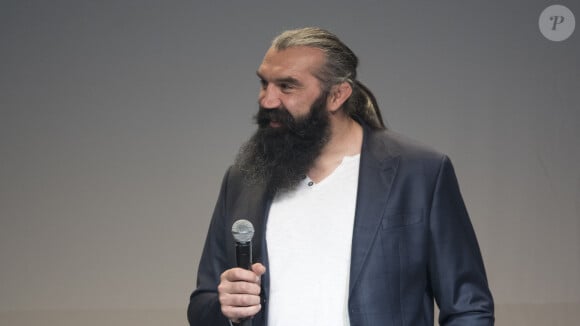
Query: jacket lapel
x=378 y=167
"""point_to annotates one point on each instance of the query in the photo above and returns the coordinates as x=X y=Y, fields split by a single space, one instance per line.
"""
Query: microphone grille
x=243 y=231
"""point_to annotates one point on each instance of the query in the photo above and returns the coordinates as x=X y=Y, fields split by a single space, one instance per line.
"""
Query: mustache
x=279 y=115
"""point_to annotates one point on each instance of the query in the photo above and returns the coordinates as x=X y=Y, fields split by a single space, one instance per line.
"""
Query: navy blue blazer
x=413 y=242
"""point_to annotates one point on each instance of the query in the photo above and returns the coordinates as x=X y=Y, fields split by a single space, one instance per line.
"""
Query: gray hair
x=340 y=66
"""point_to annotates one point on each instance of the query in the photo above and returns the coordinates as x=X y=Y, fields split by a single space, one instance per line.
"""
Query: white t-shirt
x=309 y=235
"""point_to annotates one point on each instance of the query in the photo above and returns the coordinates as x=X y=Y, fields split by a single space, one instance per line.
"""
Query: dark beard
x=280 y=158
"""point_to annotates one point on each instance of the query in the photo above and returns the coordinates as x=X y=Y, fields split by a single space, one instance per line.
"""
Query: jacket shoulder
x=408 y=150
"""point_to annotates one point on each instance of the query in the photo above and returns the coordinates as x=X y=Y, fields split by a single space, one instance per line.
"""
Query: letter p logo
x=557 y=23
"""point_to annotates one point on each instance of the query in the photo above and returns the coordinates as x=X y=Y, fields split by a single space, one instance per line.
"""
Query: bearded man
x=355 y=225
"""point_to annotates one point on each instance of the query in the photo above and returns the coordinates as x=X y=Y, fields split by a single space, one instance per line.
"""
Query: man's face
x=287 y=80
x=293 y=121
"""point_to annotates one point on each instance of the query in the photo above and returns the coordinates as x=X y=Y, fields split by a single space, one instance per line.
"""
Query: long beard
x=280 y=157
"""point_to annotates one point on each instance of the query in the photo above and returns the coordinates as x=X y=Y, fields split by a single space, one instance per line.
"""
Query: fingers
x=239 y=292
x=239 y=287
x=237 y=313
x=239 y=300
x=239 y=274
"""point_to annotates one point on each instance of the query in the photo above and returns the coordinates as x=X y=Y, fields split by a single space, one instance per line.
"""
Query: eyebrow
x=284 y=80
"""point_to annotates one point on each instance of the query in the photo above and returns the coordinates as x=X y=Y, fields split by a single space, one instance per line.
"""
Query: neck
x=346 y=137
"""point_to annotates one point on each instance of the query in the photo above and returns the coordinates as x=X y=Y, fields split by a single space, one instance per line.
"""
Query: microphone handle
x=244 y=260
x=244 y=254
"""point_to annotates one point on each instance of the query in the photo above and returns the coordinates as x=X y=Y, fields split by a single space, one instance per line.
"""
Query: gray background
x=119 y=118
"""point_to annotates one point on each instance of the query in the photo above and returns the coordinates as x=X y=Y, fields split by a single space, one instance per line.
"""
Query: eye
x=285 y=87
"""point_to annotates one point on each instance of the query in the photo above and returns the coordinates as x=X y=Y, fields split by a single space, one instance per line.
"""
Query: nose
x=269 y=97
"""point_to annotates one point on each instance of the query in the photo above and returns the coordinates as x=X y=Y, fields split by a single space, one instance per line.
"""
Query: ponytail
x=363 y=104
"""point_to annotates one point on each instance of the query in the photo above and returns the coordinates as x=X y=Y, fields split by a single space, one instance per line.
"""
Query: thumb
x=259 y=269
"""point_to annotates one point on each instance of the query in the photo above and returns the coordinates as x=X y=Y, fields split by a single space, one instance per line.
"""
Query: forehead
x=295 y=62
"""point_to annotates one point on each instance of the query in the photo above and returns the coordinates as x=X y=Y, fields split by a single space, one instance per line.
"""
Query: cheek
x=299 y=107
x=293 y=105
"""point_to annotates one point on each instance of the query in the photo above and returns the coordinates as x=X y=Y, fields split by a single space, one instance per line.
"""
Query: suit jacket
x=413 y=242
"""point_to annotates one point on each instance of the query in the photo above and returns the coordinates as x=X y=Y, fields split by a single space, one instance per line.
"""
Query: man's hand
x=239 y=292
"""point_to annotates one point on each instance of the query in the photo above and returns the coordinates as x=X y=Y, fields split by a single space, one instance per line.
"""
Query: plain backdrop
x=119 y=118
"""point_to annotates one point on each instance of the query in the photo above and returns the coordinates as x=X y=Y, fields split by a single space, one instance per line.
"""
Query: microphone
x=243 y=232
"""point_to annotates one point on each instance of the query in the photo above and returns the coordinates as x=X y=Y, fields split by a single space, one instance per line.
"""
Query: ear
x=338 y=95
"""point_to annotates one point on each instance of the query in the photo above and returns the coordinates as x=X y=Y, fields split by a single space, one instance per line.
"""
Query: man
x=355 y=225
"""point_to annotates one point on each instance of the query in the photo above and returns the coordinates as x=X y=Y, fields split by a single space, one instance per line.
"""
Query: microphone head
x=243 y=231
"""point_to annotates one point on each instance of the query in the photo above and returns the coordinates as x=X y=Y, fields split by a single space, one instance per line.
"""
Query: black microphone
x=243 y=232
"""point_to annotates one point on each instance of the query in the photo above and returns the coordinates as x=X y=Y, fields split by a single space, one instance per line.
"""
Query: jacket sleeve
x=204 y=307
x=456 y=269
